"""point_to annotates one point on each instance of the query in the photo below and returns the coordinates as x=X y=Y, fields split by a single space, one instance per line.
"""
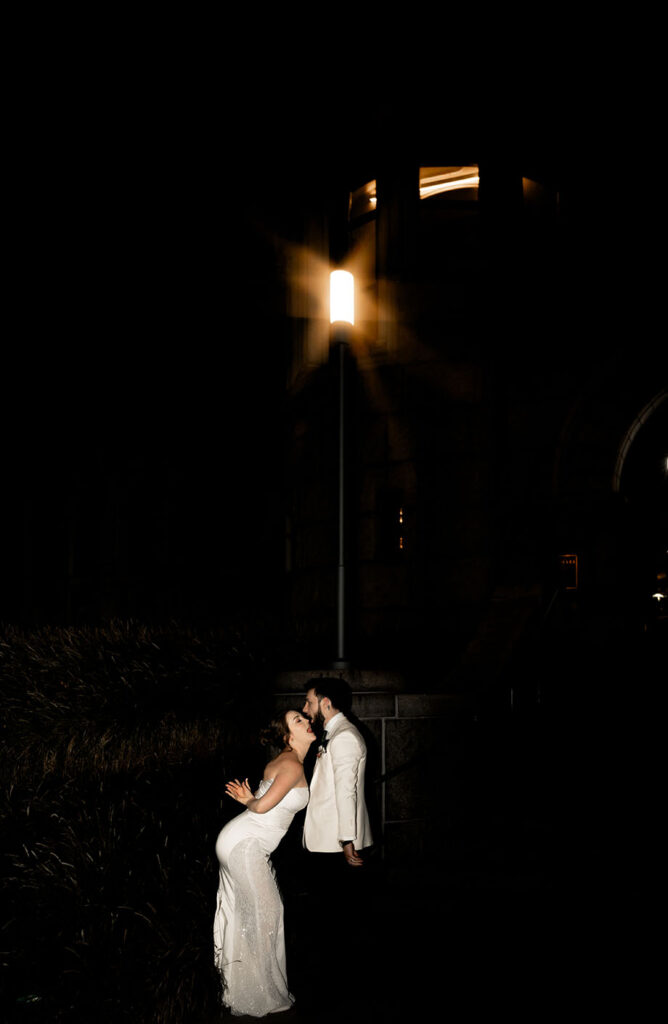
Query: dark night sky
x=143 y=274
x=145 y=331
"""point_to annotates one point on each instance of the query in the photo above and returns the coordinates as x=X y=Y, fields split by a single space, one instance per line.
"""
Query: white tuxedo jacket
x=336 y=809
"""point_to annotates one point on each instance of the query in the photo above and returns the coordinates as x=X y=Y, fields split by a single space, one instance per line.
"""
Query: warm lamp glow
x=341 y=297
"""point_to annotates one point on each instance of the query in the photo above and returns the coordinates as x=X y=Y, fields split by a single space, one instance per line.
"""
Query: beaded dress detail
x=248 y=934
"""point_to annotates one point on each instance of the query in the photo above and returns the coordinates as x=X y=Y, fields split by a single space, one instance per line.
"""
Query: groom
x=336 y=828
x=336 y=817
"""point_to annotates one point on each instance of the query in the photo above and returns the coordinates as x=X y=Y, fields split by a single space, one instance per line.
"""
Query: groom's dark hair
x=335 y=689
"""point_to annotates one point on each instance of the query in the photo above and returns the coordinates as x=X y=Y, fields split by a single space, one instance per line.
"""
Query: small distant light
x=659 y=597
x=401 y=543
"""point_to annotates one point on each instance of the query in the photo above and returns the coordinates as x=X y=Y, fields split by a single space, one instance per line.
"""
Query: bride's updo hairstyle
x=276 y=734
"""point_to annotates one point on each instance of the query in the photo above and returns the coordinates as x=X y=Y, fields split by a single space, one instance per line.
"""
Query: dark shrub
x=116 y=744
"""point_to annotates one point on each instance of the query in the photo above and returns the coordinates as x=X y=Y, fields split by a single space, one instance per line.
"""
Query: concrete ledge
x=371 y=705
x=428 y=705
x=358 y=679
x=366 y=706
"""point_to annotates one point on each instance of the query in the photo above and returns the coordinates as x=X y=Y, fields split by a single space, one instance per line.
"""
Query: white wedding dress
x=248 y=934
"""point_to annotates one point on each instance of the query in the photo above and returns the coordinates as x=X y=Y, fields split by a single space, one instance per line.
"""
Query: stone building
x=492 y=405
x=176 y=454
x=506 y=472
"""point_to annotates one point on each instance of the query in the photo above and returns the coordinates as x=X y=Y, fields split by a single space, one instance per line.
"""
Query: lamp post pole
x=342 y=318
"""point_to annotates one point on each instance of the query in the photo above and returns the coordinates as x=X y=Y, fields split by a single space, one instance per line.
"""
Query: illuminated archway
x=631 y=434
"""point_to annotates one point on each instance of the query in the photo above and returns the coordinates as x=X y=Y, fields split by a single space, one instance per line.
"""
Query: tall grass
x=116 y=742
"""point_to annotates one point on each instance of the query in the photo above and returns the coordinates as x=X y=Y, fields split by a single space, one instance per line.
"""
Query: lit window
x=569 y=571
x=362 y=201
x=449 y=182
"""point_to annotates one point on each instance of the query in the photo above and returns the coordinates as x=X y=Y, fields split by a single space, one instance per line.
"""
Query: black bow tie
x=324 y=741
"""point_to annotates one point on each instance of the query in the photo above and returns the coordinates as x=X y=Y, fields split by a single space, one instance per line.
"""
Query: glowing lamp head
x=341 y=297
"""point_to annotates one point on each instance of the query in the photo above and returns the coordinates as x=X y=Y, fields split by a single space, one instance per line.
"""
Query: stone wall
x=418 y=745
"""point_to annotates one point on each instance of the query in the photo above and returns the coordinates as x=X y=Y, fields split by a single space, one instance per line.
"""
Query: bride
x=249 y=940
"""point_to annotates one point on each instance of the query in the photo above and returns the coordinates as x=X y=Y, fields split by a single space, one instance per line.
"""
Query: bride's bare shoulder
x=287 y=763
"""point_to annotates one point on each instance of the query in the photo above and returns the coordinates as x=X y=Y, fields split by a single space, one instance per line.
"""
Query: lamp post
x=341 y=318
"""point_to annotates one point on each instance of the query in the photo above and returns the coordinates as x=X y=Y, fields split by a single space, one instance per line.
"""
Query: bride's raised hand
x=239 y=791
